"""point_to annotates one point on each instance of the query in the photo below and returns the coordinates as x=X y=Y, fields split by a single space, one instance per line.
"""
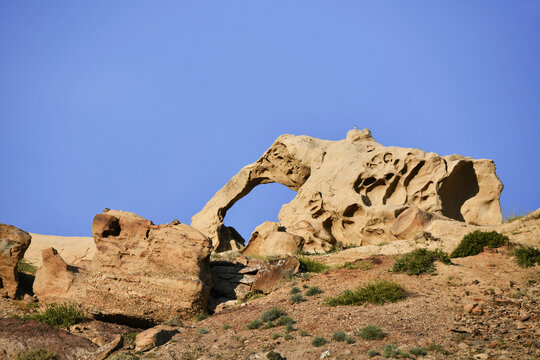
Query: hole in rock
x=457 y=188
x=263 y=203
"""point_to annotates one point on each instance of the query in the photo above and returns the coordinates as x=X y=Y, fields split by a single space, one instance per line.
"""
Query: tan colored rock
x=350 y=191
x=56 y=281
x=272 y=274
x=13 y=244
x=410 y=222
x=153 y=337
x=75 y=250
x=145 y=272
x=271 y=239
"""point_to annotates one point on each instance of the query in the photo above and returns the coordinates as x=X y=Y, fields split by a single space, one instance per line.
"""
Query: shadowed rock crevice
x=460 y=186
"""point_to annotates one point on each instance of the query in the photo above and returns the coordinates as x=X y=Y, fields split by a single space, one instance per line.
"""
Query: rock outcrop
x=144 y=273
x=271 y=239
x=13 y=244
x=272 y=274
x=57 y=281
x=351 y=191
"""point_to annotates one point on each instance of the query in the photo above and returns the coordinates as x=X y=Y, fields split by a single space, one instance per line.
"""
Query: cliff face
x=351 y=191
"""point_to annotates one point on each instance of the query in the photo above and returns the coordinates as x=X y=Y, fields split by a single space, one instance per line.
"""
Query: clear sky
x=152 y=106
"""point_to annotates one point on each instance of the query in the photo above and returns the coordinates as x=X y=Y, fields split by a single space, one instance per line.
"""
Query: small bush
x=527 y=256
x=37 y=354
x=294 y=290
x=318 y=341
x=390 y=350
x=314 y=290
x=420 y=261
x=202 y=331
x=201 y=316
x=371 y=332
x=60 y=315
x=284 y=320
x=252 y=295
x=289 y=328
x=473 y=243
x=129 y=338
x=438 y=348
x=360 y=265
x=274 y=356
x=339 y=335
x=303 y=333
x=175 y=321
x=311 y=265
x=305 y=286
x=226 y=326
x=418 y=351
x=255 y=324
x=377 y=292
x=276 y=336
x=269 y=325
x=26 y=267
x=297 y=298
x=349 y=340
x=288 y=336
x=373 y=353
x=272 y=314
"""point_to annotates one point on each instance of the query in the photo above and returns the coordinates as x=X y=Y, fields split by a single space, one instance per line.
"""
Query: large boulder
x=271 y=239
x=144 y=273
x=13 y=244
x=352 y=190
x=57 y=281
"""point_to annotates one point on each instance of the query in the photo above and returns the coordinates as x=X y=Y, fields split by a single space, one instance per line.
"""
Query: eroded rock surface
x=351 y=191
x=144 y=273
x=271 y=239
x=13 y=244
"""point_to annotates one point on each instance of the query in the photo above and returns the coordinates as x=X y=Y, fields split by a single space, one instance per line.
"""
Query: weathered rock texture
x=56 y=281
x=13 y=244
x=272 y=274
x=351 y=191
x=271 y=239
x=146 y=273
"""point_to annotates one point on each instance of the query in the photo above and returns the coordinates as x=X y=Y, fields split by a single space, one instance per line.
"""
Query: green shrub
x=527 y=256
x=60 y=315
x=349 y=340
x=175 y=321
x=252 y=295
x=305 y=286
x=272 y=314
x=303 y=333
x=294 y=290
x=129 y=338
x=202 y=331
x=284 y=320
x=373 y=353
x=269 y=325
x=201 y=316
x=420 y=261
x=339 y=335
x=371 y=332
x=377 y=292
x=289 y=328
x=438 y=348
x=418 y=351
x=255 y=324
x=274 y=356
x=276 y=336
x=318 y=341
x=226 y=326
x=473 y=243
x=288 y=336
x=37 y=354
x=314 y=290
x=311 y=265
x=25 y=266
x=514 y=216
x=390 y=350
x=297 y=298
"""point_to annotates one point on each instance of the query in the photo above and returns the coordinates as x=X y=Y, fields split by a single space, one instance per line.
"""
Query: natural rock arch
x=351 y=191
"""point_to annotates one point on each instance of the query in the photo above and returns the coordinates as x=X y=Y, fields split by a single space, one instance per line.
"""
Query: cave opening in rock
x=461 y=185
x=263 y=203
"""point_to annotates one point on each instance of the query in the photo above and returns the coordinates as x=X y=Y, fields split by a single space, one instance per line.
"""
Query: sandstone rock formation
x=145 y=273
x=270 y=239
x=351 y=191
x=56 y=281
x=272 y=273
x=13 y=244
x=75 y=250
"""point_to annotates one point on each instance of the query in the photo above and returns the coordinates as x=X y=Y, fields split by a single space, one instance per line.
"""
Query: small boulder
x=13 y=244
x=410 y=222
x=272 y=273
x=270 y=239
x=153 y=337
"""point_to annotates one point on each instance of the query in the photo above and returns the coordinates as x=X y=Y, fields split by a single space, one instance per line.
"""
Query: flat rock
x=153 y=337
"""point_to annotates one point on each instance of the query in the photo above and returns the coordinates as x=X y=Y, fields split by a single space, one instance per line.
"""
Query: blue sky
x=151 y=106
